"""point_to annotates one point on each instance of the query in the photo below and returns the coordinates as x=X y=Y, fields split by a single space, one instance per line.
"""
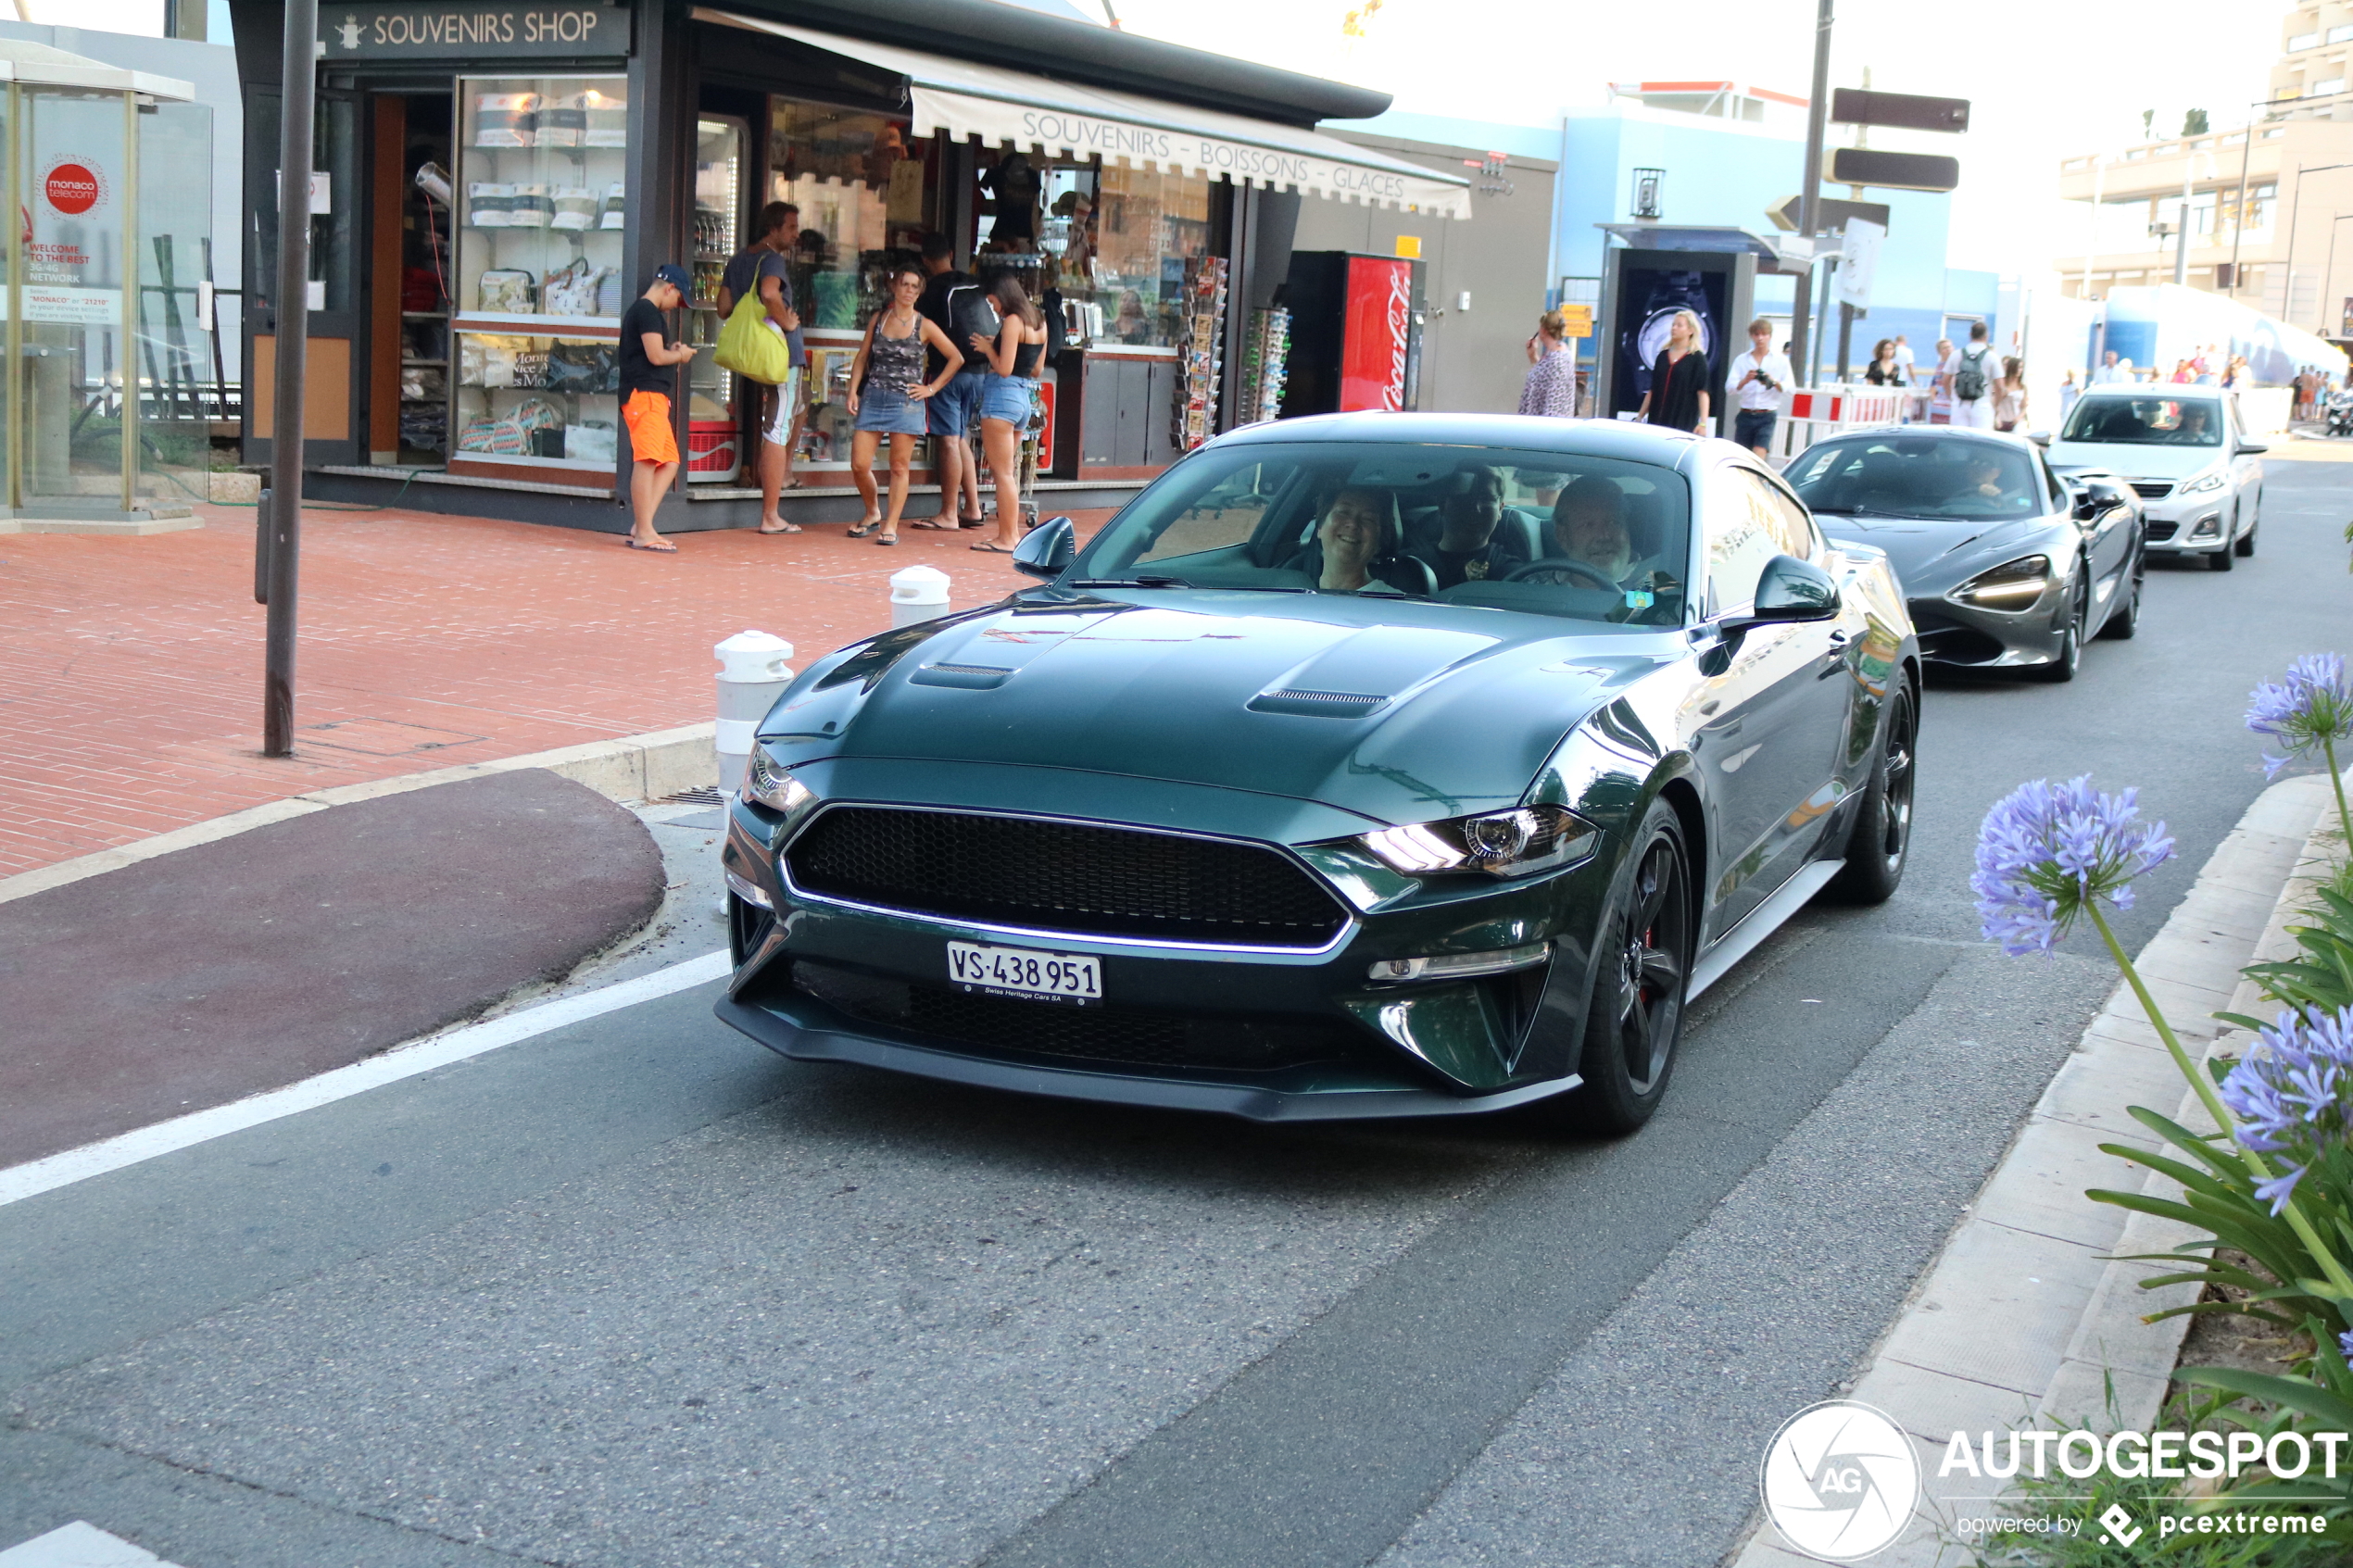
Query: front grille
x=2155 y=530
x=2152 y=489
x=1122 y=1037
x=1949 y=641
x=1075 y=877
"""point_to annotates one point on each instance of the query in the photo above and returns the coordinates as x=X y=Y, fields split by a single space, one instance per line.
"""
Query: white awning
x=1060 y=117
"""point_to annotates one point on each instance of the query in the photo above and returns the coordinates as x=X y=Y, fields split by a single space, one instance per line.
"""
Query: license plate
x=1025 y=973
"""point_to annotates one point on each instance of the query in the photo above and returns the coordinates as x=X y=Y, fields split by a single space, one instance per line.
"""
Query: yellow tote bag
x=747 y=347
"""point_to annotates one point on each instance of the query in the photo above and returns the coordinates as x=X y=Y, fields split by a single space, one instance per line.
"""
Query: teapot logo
x=349 y=32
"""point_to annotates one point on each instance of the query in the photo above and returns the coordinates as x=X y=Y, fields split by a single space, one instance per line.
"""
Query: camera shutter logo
x=1839 y=1480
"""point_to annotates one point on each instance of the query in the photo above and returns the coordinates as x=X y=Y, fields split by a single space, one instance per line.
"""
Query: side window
x=1740 y=540
x=1225 y=514
x=1784 y=519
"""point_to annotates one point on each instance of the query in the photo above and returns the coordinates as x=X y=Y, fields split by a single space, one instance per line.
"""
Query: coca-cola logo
x=72 y=188
x=1400 y=331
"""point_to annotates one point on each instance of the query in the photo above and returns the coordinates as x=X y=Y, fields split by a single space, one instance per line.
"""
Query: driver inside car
x=1471 y=545
x=2190 y=430
x=1589 y=527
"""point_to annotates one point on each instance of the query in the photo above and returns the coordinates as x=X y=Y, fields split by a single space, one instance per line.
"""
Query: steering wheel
x=1600 y=579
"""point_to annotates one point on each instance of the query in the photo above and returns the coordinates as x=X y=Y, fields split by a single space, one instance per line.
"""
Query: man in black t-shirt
x=765 y=267
x=649 y=373
x=1471 y=545
x=952 y=415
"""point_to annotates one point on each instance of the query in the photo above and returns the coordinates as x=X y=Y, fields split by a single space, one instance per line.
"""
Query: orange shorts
x=651 y=438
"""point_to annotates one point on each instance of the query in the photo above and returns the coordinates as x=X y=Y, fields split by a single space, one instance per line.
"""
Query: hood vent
x=1319 y=705
x=971 y=677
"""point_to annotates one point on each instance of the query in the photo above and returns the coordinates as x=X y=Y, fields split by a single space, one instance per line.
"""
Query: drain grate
x=706 y=795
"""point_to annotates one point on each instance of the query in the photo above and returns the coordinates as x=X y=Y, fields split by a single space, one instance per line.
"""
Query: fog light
x=2207 y=527
x=1459 y=966
x=749 y=891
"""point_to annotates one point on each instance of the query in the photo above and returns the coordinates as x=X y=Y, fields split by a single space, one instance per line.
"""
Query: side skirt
x=1761 y=923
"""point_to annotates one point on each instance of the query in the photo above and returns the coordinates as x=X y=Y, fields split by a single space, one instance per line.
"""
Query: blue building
x=1724 y=154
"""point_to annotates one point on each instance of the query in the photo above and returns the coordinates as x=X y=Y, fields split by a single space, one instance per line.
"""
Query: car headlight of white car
x=2212 y=480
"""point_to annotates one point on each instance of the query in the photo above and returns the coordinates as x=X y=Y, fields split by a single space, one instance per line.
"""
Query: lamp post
x=1809 y=195
x=299 y=88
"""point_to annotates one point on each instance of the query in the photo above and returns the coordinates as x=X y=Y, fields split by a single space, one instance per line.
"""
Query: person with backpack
x=1011 y=357
x=953 y=417
x=1973 y=371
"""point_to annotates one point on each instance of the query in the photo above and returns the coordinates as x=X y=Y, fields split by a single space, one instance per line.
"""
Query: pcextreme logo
x=1839 y=1480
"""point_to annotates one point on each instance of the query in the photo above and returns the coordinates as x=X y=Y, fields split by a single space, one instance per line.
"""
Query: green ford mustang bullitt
x=1371 y=765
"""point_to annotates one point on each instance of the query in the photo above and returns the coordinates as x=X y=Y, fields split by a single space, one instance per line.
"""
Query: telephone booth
x=109 y=293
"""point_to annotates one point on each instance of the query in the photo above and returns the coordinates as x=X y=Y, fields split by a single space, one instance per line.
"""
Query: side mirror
x=2040 y=437
x=1047 y=552
x=2250 y=448
x=1789 y=589
x=2099 y=495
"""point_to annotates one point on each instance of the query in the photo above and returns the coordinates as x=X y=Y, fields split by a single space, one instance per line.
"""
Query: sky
x=2047 y=79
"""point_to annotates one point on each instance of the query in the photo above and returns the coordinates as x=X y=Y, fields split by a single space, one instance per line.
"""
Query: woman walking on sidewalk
x=1678 y=398
x=1005 y=400
x=2009 y=394
x=1551 y=387
x=886 y=396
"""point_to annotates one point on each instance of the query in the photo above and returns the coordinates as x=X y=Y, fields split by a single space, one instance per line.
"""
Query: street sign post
x=1830 y=213
x=1905 y=111
x=1891 y=171
x=1858 y=260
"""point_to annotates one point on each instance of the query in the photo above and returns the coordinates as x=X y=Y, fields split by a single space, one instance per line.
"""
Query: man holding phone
x=1758 y=377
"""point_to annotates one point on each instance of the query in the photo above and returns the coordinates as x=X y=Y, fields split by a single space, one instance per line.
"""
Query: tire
x=1880 y=840
x=2062 y=669
x=1643 y=966
x=2125 y=619
x=2222 y=559
x=2246 y=546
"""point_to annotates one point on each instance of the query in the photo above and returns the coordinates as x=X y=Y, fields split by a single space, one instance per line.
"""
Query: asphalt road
x=636 y=1293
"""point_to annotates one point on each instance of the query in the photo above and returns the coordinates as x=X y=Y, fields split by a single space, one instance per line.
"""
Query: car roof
x=1592 y=438
x=1924 y=433
x=2180 y=391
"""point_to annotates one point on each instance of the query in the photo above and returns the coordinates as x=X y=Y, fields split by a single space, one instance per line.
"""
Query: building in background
x=2309 y=82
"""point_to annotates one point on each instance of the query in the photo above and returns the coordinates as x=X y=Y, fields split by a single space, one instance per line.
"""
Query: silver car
x=2183 y=451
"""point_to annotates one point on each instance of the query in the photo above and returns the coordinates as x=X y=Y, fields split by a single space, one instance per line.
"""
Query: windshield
x=1890 y=475
x=2147 y=421
x=1547 y=533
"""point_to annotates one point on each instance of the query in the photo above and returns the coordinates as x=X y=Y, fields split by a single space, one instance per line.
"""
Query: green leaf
x=2293 y=1392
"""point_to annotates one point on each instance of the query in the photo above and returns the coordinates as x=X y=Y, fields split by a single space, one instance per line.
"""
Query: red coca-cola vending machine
x=1355 y=332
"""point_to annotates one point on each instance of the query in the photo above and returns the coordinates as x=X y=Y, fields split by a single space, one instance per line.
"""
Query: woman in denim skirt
x=886 y=398
x=1005 y=400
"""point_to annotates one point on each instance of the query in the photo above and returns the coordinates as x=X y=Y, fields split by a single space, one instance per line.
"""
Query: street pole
x=1809 y=193
x=2238 y=218
x=299 y=78
x=2182 y=230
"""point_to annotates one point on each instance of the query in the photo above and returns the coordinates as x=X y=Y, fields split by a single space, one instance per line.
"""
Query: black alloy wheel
x=2226 y=558
x=1881 y=837
x=2069 y=658
x=2125 y=619
x=1642 y=968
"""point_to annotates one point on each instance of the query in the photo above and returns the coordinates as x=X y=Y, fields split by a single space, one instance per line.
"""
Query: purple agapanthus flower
x=2047 y=851
x=2292 y=1094
x=2312 y=707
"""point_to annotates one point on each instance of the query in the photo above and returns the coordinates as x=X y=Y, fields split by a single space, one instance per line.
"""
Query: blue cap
x=675 y=276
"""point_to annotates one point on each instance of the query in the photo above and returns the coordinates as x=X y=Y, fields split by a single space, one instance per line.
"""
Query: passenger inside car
x=1472 y=543
x=1590 y=525
x=1357 y=547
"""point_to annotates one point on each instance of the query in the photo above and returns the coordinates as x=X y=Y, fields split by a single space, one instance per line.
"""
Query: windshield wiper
x=1141 y=581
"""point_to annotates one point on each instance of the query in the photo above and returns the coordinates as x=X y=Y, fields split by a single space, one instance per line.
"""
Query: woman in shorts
x=886 y=396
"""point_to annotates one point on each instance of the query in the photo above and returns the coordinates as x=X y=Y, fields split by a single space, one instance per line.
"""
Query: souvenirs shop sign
x=472 y=32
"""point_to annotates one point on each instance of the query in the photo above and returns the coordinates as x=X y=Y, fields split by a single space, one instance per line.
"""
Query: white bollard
x=920 y=592
x=751 y=677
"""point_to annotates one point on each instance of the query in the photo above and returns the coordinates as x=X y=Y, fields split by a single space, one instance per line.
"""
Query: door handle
x=1834 y=656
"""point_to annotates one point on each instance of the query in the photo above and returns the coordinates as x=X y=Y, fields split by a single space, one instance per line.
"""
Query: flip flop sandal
x=886 y=538
x=866 y=528
x=663 y=550
x=928 y=524
x=991 y=548
x=788 y=528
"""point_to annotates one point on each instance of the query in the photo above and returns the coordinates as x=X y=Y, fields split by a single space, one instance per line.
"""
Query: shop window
x=1144 y=226
x=859 y=181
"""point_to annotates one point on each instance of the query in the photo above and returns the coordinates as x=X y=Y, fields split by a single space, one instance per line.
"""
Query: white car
x=2182 y=449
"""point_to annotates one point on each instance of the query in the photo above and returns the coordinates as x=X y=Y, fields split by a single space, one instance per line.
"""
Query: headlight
x=1516 y=843
x=767 y=784
x=2012 y=585
x=2205 y=482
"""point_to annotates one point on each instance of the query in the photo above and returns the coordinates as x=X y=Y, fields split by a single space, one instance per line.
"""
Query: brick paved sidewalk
x=131 y=668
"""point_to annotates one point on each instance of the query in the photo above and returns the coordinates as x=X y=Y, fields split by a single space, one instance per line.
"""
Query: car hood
x=1930 y=555
x=1400 y=712
x=2136 y=461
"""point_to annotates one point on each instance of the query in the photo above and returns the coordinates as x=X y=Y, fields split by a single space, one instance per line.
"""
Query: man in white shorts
x=763 y=267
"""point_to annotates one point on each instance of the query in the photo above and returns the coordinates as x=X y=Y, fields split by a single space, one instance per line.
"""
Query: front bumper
x=2187 y=524
x=1966 y=636
x=1268 y=1036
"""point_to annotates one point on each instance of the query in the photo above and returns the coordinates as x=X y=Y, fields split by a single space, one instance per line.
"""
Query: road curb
x=627 y=770
x=2029 y=1314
